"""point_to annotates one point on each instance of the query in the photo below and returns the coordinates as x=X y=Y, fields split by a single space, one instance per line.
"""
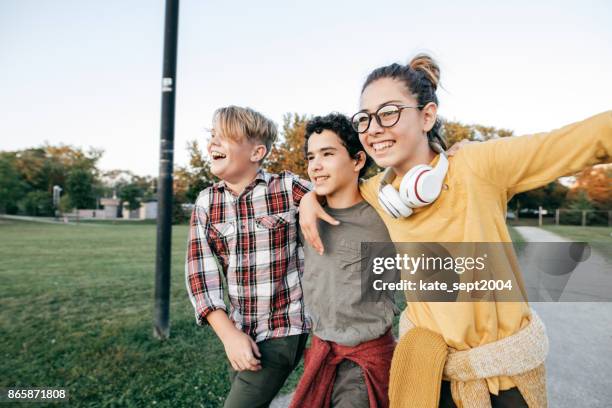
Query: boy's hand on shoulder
x=457 y=146
x=310 y=211
x=242 y=351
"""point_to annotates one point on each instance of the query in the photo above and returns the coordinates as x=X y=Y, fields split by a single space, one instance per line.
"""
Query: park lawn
x=77 y=307
x=582 y=234
x=599 y=238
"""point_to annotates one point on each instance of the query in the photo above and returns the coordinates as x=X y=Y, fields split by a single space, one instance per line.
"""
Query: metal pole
x=539 y=216
x=161 y=328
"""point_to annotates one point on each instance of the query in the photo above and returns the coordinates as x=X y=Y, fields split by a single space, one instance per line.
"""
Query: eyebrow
x=323 y=149
x=383 y=104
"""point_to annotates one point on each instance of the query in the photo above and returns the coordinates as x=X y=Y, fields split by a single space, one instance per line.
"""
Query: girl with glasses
x=465 y=354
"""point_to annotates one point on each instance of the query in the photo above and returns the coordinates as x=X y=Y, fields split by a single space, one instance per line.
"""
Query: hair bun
x=425 y=64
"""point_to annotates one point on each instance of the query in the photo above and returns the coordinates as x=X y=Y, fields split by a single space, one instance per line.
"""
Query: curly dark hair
x=341 y=126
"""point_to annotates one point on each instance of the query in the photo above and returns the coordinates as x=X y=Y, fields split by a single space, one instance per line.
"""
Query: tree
x=37 y=203
x=595 y=183
x=455 y=131
x=132 y=193
x=191 y=179
x=550 y=197
x=288 y=153
x=12 y=185
x=79 y=186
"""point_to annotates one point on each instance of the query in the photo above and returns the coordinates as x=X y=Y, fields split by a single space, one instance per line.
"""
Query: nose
x=374 y=128
x=314 y=165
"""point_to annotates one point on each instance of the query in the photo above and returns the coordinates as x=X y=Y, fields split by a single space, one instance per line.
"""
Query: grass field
x=76 y=307
x=77 y=312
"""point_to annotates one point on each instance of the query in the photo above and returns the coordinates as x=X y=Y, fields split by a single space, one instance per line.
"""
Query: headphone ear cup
x=409 y=191
x=390 y=200
x=429 y=187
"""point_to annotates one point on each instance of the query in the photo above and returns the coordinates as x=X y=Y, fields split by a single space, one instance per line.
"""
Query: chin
x=322 y=190
x=216 y=171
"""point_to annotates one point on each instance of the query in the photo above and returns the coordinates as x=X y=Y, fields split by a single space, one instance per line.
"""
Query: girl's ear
x=258 y=153
x=360 y=159
x=430 y=114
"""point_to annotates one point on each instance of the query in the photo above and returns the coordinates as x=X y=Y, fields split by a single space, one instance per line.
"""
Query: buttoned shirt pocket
x=272 y=233
x=226 y=231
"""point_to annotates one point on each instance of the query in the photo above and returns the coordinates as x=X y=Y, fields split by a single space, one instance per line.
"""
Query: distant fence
x=563 y=216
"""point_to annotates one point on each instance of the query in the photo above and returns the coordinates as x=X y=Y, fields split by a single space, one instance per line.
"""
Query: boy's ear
x=258 y=153
x=430 y=114
x=360 y=159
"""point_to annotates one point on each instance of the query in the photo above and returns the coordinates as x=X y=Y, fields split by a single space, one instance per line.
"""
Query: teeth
x=320 y=178
x=217 y=155
x=382 y=145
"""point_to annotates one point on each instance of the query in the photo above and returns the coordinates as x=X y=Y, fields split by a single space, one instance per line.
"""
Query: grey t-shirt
x=332 y=282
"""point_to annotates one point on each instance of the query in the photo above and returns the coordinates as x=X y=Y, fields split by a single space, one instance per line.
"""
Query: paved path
x=579 y=364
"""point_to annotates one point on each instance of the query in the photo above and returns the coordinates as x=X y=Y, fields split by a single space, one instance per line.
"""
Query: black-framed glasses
x=386 y=116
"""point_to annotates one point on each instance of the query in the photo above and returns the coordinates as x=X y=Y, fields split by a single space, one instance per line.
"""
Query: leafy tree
x=191 y=179
x=288 y=152
x=595 y=183
x=79 y=186
x=455 y=131
x=12 y=186
x=132 y=193
x=550 y=197
x=37 y=203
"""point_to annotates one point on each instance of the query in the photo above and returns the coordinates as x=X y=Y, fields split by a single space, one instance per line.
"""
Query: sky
x=88 y=73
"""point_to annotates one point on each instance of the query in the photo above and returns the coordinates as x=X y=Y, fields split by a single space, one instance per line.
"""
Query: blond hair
x=238 y=124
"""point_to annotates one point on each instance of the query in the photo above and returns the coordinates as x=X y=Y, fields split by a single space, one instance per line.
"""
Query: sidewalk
x=579 y=363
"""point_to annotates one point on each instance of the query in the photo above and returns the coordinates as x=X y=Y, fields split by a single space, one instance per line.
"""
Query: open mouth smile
x=382 y=146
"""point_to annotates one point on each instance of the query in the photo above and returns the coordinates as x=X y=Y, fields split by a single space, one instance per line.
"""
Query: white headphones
x=419 y=187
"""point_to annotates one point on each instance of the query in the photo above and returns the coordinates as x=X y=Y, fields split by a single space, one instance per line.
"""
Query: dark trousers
x=511 y=398
x=254 y=389
x=350 y=390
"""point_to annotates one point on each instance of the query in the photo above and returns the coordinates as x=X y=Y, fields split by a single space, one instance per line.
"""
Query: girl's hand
x=310 y=211
x=457 y=146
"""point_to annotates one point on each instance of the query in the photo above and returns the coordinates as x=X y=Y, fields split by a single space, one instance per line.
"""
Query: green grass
x=77 y=313
x=599 y=238
x=582 y=234
x=515 y=236
x=77 y=307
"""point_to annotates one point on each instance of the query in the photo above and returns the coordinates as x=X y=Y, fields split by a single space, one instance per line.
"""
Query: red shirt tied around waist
x=320 y=363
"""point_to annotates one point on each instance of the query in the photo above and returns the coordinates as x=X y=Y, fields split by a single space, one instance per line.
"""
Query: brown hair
x=421 y=78
x=237 y=123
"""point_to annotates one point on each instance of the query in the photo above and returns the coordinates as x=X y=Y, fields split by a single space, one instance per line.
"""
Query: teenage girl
x=424 y=196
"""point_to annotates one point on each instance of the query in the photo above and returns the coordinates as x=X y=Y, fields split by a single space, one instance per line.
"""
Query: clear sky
x=88 y=73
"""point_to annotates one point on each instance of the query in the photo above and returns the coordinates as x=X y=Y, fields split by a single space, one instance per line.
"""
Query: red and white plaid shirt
x=251 y=239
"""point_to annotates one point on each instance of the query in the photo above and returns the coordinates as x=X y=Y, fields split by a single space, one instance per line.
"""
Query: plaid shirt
x=251 y=239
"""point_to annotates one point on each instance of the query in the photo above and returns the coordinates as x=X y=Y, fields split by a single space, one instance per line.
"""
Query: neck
x=345 y=197
x=239 y=183
x=423 y=155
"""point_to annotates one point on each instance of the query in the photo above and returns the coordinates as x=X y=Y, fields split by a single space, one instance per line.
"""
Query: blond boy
x=244 y=228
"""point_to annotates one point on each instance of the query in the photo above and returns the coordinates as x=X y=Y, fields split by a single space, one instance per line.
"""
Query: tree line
x=27 y=176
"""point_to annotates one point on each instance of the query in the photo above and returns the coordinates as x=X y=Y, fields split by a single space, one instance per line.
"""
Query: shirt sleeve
x=522 y=163
x=299 y=187
x=202 y=271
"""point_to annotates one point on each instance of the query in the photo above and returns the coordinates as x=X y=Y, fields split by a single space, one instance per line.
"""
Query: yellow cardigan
x=481 y=179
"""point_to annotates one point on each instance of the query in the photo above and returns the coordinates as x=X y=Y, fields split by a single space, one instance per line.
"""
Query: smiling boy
x=245 y=228
x=352 y=346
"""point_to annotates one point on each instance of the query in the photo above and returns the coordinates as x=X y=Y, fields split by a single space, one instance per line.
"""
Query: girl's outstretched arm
x=522 y=163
